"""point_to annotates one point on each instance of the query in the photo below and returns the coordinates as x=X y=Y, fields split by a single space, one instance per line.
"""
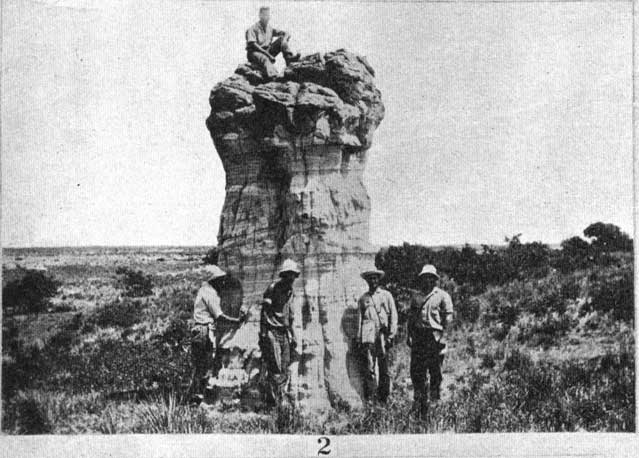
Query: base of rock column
x=328 y=372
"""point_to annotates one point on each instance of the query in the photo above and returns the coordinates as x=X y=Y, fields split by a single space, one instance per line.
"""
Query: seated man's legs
x=280 y=44
x=264 y=63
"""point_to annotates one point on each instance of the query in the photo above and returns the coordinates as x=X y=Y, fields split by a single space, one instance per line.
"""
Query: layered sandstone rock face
x=294 y=152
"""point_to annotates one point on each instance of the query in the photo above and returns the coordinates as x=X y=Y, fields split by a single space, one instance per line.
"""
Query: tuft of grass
x=41 y=412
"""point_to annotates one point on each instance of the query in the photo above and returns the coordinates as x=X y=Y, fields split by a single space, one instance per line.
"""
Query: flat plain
x=548 y=349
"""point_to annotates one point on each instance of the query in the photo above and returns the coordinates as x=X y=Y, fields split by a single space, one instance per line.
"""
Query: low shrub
x=29 y=294
x=546 y=330
x=27 y=367
x=135 y=282
x=119 y=313
x=40 y=412
x=612 y=290
x=63 y=307
x=177 y=333
x=525 y=395
x=501 y=314
x=176 y=301
x=27 y=415
x=468 y=310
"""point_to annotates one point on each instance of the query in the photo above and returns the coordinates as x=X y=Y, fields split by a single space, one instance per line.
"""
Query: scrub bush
x=612 y=290
x=119 y=313
x=29 y=294
x=135 y=282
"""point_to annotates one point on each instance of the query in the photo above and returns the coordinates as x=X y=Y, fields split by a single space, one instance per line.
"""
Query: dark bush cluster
x=136 y=283
x=211 y=256
x=177 y=333
x=468 y=267
x=608 y=237
x=29 y=416
x=119 y=313
x=477 y=269
x=107 y=365
x=29 y=294
x=612 y=290
x=605 y=243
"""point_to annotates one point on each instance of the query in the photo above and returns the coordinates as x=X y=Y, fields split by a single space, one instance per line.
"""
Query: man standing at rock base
x=376 y=331
x=431 y=311
x=278 y=335
x=206 y=312
x=264 y=43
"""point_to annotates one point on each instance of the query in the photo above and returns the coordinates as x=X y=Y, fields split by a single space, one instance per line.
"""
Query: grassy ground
x=536 y=355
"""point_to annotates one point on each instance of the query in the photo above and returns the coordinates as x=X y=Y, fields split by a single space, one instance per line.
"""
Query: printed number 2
x=324 y=450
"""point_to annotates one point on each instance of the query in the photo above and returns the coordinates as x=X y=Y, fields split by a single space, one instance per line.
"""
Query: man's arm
x=230 y=319
x=293 y=323
x=212 y=302
x=359 y=321
x=409 y=322
x=393 y=315
x=257 y=48
x=268 y=293
x=251 y=44
x=446 y=308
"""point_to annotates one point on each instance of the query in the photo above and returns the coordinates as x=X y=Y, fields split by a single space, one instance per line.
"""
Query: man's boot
x=423 y=412
x=420 y=405
x=420 y=408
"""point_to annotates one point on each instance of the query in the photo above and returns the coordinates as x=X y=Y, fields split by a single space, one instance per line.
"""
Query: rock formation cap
x=429 y=269
x=289 y=266
x=372 y=273
x=214 y=271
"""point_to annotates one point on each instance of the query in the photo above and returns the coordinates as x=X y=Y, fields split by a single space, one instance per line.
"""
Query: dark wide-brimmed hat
x=372 y=273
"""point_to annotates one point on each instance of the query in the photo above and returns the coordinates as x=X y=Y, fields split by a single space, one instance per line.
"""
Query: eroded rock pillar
x=294 y=153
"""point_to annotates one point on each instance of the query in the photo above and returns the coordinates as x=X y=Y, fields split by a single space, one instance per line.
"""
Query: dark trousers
x=201 y=357
x=375 y=354
x=276 y=358
x=280 y=44
x=426 y=366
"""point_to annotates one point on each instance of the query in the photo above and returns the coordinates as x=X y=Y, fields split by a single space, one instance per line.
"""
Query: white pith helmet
x=289 y=266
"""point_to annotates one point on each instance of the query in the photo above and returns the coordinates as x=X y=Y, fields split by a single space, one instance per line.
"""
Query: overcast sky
x=501 y=118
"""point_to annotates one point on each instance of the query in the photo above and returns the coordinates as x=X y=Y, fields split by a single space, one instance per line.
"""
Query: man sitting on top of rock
x=261 y=48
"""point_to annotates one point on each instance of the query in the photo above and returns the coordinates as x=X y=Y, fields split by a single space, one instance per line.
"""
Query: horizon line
x=44 y=247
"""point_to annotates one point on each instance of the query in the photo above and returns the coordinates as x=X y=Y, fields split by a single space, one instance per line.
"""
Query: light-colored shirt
x=280 y=310
x=207 y=306
x=431 y=311
x=262 y=36
x=376 y=311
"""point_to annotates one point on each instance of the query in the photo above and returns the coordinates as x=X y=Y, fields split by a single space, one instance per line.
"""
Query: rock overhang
x=325 y=98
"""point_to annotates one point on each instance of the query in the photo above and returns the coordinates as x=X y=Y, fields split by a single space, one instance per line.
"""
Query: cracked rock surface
x=294 y=152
